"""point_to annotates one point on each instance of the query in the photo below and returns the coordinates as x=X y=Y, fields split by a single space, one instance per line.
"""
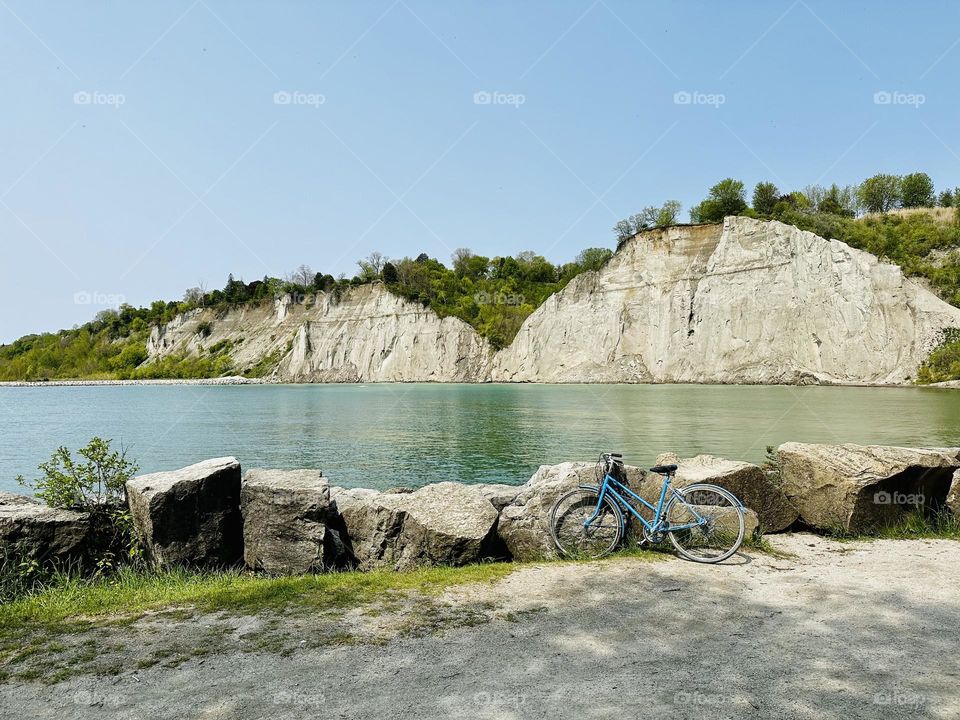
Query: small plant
x=94 y=483
x=68 y=483
x=204 y=328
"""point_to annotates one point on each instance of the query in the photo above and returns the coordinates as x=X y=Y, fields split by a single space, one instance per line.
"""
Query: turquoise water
x=387 y=435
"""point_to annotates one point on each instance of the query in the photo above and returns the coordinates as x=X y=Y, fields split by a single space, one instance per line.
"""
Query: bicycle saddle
x=664 y=469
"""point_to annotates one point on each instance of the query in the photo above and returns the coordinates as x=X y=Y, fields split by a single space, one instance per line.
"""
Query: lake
x=412 y=434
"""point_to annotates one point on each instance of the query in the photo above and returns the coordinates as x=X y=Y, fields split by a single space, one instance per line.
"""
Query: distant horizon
x=158 y=147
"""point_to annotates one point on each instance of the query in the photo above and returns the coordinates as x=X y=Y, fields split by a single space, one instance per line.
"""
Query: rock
x=953 y=495
x=859 y=488
x=284 y=521
x=441 y=524
x=189 y=517
x=499 y=494
x=747 y=481
x=524 y=523
x=747 y=301
x=41 y=532
x=367 y=335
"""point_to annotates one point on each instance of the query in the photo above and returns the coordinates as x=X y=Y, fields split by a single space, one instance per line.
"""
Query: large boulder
x=189 y=517
x=40 y=532
x=859 y=488
x=442 y=524
x=499 y=494
x=953 y=495
x=754 y=488
x=524 y=523
x=285 y=515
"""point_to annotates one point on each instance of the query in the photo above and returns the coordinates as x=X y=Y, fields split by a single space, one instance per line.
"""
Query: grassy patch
x=915 y=526
x=131 y=593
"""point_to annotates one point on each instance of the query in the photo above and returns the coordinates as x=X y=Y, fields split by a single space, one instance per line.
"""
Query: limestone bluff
x=747 y=301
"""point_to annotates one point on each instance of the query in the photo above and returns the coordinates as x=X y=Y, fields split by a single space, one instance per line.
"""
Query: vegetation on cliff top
x=495 y=295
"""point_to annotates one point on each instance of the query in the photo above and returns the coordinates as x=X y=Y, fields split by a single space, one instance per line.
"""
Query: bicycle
x=704 y=522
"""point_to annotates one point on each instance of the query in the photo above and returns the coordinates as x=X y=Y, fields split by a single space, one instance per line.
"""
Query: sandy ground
x=833 y=630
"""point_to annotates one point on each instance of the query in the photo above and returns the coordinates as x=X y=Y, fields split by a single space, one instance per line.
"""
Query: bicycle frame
x=611 y=485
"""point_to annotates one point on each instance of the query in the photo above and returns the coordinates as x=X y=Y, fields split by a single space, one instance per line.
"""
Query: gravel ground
x=825 y=630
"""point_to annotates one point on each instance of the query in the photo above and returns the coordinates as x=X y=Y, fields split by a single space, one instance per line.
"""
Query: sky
x=150 y=147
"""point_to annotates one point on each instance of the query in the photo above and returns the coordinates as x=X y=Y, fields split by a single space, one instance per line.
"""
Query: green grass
x=129 y=594
x=915 y=526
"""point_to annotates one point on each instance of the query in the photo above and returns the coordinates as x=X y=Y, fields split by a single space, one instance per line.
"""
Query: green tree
x=916 y=190
x=593 y=258
x=390 y=275
x=725 y=198
x=668 y=213
x=946 y=198
x=880 y=193
x=765 y=197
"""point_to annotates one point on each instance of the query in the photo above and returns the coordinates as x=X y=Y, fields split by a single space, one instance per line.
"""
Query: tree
x=390 y=274
x=668 y=213
x=593 y=258
x=376 y=261
x=946 y=198
x=725 y=198
x=916 y=190
x=624 y=230
x=422 y=258
x=460 y=258
x=765 y=197
x=302 y=276
x=838 y=201
x=880 y=193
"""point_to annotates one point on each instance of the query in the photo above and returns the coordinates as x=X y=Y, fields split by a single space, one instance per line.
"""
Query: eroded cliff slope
x=369 y=335
x=747 y=301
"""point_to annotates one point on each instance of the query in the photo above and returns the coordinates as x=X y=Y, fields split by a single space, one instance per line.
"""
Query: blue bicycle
x=704 y=522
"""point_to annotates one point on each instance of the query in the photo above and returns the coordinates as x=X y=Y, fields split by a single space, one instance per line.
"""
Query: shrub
x=95 y=485
x=944 y=362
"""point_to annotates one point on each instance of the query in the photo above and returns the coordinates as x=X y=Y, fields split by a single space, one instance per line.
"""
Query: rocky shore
x=293 y=521
x=232 y=380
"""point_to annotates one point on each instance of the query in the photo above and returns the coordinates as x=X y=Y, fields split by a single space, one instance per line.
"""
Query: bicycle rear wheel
x=711 y=523
x=573 y=531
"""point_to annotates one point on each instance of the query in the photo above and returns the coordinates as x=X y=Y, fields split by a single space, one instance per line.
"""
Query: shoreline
x=239 y=380
x=233 y=380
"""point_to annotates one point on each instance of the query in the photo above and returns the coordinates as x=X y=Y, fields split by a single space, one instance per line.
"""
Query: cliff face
x=370 y=335
x=743 y=302
x=746 y=302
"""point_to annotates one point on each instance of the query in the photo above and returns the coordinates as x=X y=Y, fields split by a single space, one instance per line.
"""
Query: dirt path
x=852 y=630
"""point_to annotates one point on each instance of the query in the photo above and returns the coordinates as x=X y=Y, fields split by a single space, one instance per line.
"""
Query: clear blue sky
x=199 y=172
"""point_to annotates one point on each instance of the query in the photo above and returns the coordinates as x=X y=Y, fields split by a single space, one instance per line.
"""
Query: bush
x=95 y=485
x=944 y=362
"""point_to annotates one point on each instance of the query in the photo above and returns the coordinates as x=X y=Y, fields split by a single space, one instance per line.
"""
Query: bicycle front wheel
x=582 y=527
x=705 y=523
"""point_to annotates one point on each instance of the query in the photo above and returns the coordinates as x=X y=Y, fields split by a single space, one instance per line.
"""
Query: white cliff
x=744 y=302
x=369 y=335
